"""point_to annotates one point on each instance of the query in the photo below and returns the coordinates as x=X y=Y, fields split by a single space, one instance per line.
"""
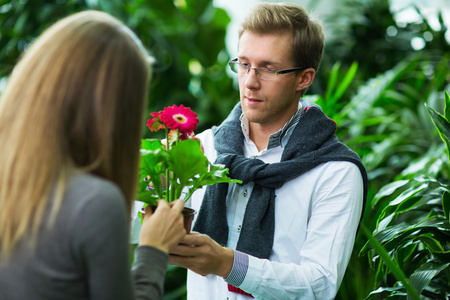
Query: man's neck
x=260 y=135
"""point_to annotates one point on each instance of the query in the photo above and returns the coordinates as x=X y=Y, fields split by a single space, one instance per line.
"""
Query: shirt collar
x=279 y=138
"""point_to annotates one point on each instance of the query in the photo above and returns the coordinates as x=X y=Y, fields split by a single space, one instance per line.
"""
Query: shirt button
x=245 y=193
x=239 y=228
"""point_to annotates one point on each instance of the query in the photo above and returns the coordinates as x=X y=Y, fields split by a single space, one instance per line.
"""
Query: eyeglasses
x=261 y=72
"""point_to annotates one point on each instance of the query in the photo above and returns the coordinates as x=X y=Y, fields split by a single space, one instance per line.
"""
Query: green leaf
x=152 y=163
x=346 y=81
x=392 y=265
x=187 y=161
x=385 y=221
x=147 y=197
x=150 y=144
x=442 y=124
x=446 y=204
x=332 y=82
x=431 y=243
x=409 y=193
x=400 y=233
x=389 y=189
x=408 y=204
x=216 y=174
x=421 y=277
x=381 y=290
x=447 y=105
x=440 y=121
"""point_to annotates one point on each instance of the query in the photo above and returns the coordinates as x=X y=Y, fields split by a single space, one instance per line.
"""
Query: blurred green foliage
x=187 y=38
x=381 y=114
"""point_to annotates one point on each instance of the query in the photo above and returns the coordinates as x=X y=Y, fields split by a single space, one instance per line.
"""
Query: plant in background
x=178 y=163
x=387 y=124
x=410 y=247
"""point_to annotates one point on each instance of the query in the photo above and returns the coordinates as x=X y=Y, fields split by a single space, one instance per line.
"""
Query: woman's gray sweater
x=85 y=254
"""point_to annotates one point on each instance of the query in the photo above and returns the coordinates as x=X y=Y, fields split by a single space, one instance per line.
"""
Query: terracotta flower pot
x=188 y=214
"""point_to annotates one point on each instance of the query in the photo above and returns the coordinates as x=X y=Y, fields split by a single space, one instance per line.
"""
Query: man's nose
x=252 y=80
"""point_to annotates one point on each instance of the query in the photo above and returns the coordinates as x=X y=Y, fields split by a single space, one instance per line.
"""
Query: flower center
x=180 y=118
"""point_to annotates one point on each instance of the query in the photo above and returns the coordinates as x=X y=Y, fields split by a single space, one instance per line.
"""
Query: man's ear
x=305 y=79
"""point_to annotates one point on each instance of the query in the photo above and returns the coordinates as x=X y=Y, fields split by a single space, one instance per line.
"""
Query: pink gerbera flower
x=179 y=117
x=155 y=124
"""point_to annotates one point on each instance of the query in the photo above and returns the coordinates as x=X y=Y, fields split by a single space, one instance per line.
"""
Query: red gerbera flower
x=155 y=124
x=179 y=117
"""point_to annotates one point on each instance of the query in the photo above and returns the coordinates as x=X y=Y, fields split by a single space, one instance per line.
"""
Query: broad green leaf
x=404 y=252
x=187 y=155
x=409 y=193
x=389 y=189
x=332 y=82
x=150 y=144
x=392 y=265
x=446 y=204
x=384 y=222
x=152 y=163
x=442 y=256
x=443 y=126
x=147 y=197
x=431 y=242
x=440 y=121
x=381 y=290
x=216 y=174
x=395 y=235
x=187 y=161
x=346 y=81
x=408 y=204
x=422 y=276
x=447 y=105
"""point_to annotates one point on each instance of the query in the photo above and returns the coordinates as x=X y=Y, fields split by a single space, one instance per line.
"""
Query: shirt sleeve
x=148 y=272
x=101 y=235
x=335 y=214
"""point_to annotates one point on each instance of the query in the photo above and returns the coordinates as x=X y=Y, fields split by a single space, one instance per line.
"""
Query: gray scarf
x=312 y=143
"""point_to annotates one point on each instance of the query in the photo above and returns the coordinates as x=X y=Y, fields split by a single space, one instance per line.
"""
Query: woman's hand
x=164 y=228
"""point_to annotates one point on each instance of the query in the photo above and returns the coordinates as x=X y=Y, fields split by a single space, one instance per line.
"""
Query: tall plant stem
x=392 y=265
x=167 y=171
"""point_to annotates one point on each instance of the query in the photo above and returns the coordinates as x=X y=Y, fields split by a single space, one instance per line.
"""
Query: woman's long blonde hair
x=74 y=102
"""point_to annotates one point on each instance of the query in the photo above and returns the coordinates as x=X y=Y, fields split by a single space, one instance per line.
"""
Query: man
x=288 y=230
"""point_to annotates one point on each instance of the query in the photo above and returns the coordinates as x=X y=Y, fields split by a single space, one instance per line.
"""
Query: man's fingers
x=194 y=239
x=183 y=250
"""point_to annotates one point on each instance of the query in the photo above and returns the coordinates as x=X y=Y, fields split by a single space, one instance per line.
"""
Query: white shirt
x=316 y=218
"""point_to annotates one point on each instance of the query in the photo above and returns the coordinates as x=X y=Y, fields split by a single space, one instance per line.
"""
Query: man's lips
x=252 y=99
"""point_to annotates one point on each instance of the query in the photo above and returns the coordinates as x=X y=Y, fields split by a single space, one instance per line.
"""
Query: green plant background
x=388 y=100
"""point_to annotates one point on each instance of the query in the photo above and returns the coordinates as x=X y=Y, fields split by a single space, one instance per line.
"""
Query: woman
x=70 y=126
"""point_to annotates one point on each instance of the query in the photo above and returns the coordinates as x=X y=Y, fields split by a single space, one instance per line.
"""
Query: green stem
x=167 y=171
x=172 y=176
x=392 y=265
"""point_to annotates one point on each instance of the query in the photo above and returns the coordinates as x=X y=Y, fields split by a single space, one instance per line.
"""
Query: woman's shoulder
x=94 y=183
x=88 y=190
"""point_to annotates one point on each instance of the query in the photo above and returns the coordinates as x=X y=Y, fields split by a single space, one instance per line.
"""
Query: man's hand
x=201 y=254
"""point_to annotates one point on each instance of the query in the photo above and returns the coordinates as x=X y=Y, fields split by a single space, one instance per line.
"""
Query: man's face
x=270 y=103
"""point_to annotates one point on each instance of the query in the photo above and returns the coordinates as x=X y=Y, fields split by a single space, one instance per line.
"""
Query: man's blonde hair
x=308 y=37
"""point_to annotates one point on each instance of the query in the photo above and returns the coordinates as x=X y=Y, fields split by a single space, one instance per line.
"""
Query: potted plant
x=176 y=167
